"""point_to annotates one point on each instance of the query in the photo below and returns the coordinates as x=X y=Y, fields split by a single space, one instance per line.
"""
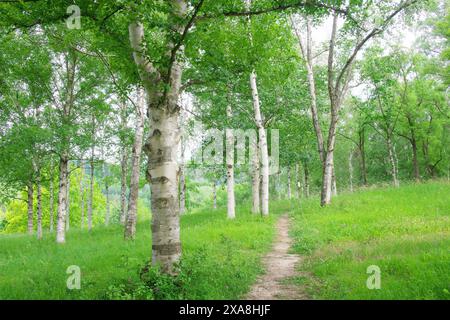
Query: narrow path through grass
x=279 y=265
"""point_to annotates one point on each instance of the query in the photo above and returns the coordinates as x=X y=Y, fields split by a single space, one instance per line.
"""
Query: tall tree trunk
x=62 y=203
x=297 y=181
x=306 y=175
x=68 y=204
x=263 y=150
x=39 y=204
x=30 y=207
x=306 y=52
x=108 y=201
x=182 y=175
x=82 y=194
x=230 y=168
x=334 y=185
x=71 y=65
x=130 y=225
x=91 y=191
x=255 y=180
x=163 y=93
x=289 y=190
x=392 y=161
x=123 y=185
x=413 y=141
x=123 y=167
x=52 y=200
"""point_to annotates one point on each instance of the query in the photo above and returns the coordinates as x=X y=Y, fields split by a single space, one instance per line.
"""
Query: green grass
x=221 y=258
x=405 y=231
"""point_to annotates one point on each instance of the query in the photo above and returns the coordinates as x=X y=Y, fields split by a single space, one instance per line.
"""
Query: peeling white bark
x=62 y=203
x=263 y=151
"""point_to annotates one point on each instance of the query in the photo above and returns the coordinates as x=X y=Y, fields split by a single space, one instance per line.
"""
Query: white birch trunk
x=130 y=224
x=263 y=150
x=91 y=191
x=182 y=178
x=82 y=195
x=62 y=203
x=297 y=181
x=289 y=190
x=39 y=205
x=162 y=145
x=108 y=201
x=123 y=168
x=52 y=200
x=255 y=180
x=123 y=185
x=231 y=214
x=306 y=179
x=334 y=185
x=30 y=207
x=392 y=161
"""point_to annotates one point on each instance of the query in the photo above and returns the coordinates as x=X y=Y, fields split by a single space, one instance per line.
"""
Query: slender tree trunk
x=39 y=204
x=68 y=204
x=182 y=186
x=306 y=175
x=62 y=203
x=297 y=181
x=392 y=161
x=82 y=194
x=413 y=141
x=123 y=166
x=130 y=225
x=362 y=153
x=123 y=185
x=334 y=185
x=230 y=168
x=255 y=181
x=415 y=160
x=71 y=64
x=350 y=170
x=108 y=201
x=328 y=168
x=52 y=200
x=306 y=52
x=30 y=207
x=264 y=154
x=289 y=192
x=91 y=191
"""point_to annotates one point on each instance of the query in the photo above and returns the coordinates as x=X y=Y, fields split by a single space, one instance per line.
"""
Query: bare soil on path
x=280 y=266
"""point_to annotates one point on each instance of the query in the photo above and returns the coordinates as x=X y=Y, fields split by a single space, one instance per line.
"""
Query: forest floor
x=403 y=232
x=279 y=265
x=302 y=251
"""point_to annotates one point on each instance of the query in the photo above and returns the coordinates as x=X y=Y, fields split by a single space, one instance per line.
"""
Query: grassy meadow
x=405 y=231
